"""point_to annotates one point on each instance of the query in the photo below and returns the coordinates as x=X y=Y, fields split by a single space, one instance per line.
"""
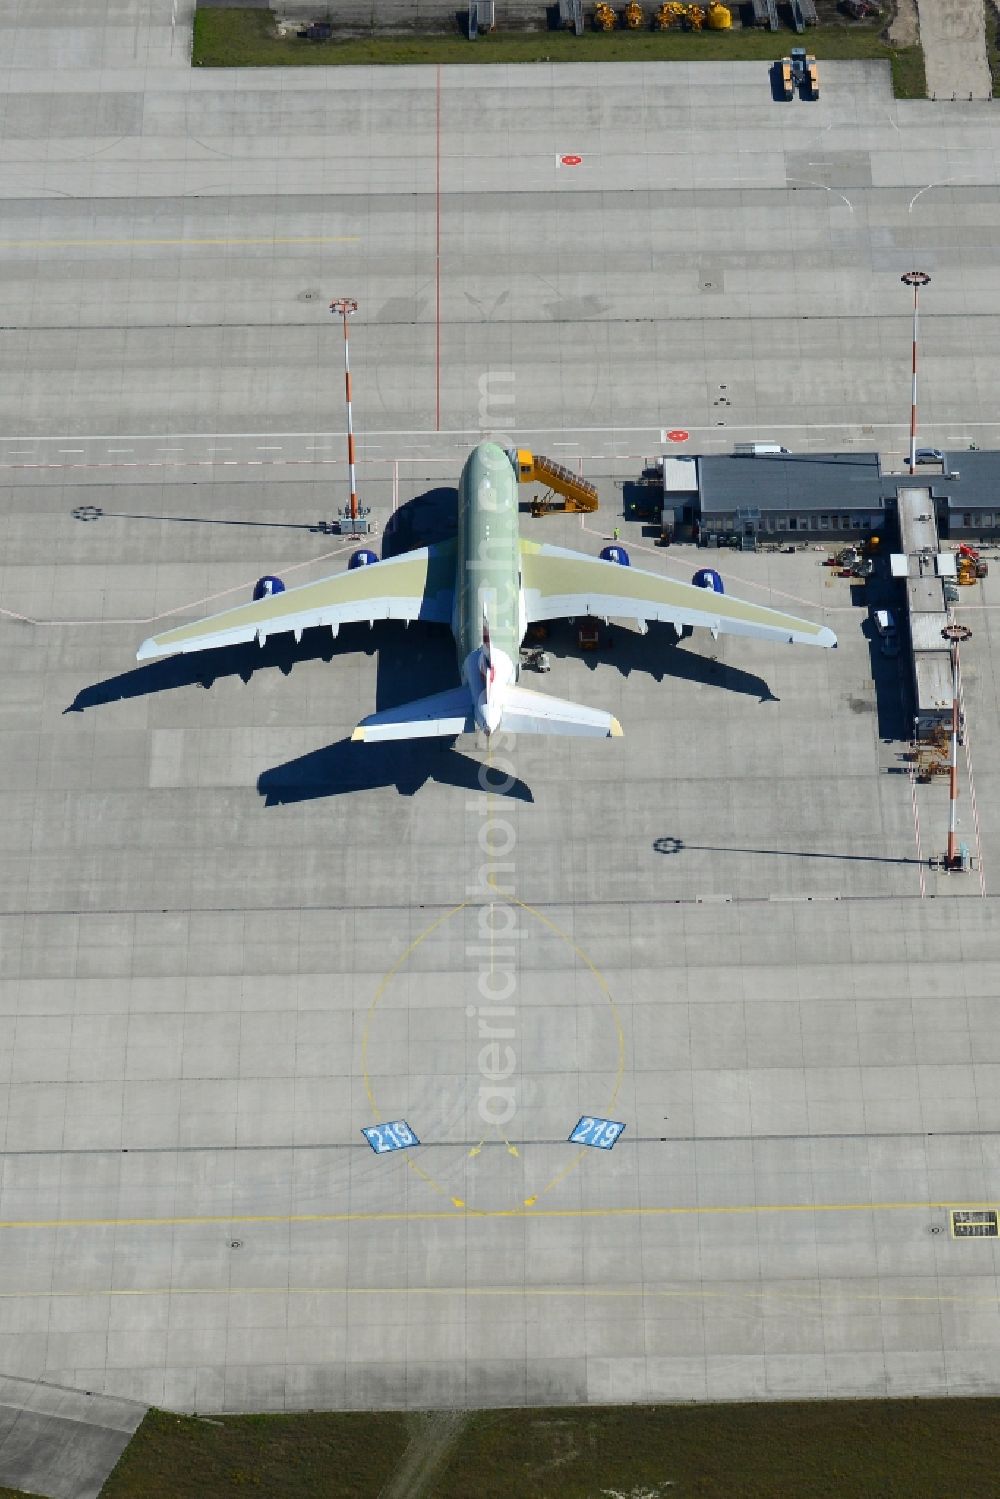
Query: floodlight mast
x=916 y=279
x=346 y=306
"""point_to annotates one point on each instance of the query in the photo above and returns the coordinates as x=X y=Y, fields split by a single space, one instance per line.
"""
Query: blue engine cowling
x=616 y=554
x=363 y=557
x=707 y=577
x=266 y=587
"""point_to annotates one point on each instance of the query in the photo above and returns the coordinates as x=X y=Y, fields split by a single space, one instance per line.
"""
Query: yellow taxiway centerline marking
x=108 y=244
x=632 y=1293
x=465 y=1213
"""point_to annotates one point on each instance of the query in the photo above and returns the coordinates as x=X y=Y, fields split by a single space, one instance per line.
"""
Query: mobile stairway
x=577 y=494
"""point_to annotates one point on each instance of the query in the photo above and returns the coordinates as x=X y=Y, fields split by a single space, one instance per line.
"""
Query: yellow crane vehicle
x=604 y=16
x=577 y=495
x=633 y=15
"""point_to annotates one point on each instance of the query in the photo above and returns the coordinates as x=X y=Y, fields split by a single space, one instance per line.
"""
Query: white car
x=885 y=624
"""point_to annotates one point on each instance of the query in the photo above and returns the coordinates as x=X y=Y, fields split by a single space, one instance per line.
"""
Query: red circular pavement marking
x=571 y=161
x=677 y=434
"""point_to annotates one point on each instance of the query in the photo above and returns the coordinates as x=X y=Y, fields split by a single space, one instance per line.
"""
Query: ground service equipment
x=970 y=566
x=578 y=494
x=604 y=17
x=800 y=68
x=719 y=17
x=633 y=15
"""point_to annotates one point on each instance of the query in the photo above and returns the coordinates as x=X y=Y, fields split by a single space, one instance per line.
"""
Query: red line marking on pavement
x=916 y=833
x=150 y=619
x=972 y=784
x=437 y=252
x=176 y=463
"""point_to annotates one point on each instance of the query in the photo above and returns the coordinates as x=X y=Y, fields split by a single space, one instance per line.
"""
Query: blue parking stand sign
x=385 y=1137
x=600 y=1133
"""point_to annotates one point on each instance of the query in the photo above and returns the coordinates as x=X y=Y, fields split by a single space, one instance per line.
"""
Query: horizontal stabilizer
x=443 y=713
x=526 y=712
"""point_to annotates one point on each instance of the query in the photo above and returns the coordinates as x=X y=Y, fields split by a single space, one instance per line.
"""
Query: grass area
x=812 y=1450
x=246 y=38
x=889 y=1449
x=993 y=42
x=316 y=1456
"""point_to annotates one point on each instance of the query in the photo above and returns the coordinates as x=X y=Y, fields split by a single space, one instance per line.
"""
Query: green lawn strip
x=245 y=38
x=920 y=1449
x=18 y=1494
x=319 y=1455
x=993 y=42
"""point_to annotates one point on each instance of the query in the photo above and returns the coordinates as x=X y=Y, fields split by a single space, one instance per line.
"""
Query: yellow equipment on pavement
x=578 y=494
x=719 y=18
x=633 y=15
x=604 y=16
x=669 y=14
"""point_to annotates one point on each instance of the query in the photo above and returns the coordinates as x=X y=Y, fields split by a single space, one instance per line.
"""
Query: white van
x=758 y=450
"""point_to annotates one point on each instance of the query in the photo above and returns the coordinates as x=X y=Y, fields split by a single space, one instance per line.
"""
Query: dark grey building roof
x=978 y=484
x=793 y=482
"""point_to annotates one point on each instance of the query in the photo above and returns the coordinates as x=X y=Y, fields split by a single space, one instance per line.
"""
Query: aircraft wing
x=416 y=585
x=560 y=584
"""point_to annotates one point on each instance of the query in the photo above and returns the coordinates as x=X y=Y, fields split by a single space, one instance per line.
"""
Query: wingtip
x=358 y=737
x=147 y=650
x=616 y=730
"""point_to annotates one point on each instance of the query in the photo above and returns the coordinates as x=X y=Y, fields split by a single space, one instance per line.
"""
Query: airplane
x=489 y=584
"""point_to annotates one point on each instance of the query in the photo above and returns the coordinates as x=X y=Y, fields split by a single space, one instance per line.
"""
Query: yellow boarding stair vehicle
x=579 y=496
x=633 y=15
x=604 y=17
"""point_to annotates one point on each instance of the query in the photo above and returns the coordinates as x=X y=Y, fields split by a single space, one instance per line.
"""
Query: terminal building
x=748 y=499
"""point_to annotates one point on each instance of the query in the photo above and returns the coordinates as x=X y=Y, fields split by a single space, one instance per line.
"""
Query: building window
x=834 y=522
x=967 y=520
x=781 y=522
x=824 y=522
x=793 y=524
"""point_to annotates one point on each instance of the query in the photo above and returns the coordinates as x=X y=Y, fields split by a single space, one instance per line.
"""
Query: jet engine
x=615 y=554
x=707 y=577
x=363 y=557
x=266 y=587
